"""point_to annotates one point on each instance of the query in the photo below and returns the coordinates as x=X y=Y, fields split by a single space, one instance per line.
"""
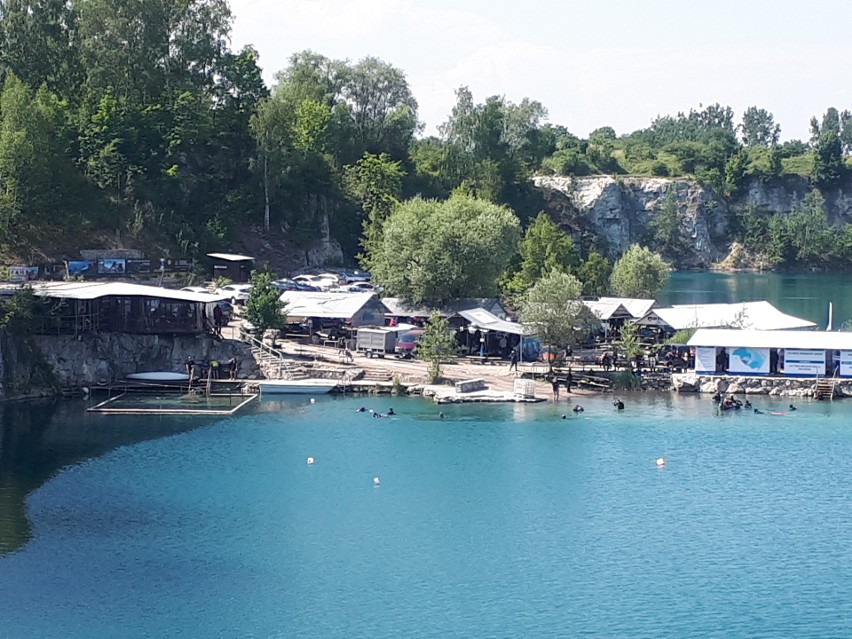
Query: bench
x=481 y=359
x=470 y=385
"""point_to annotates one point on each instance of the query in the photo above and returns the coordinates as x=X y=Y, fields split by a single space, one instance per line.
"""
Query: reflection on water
x=804 y=295
x=37 y=439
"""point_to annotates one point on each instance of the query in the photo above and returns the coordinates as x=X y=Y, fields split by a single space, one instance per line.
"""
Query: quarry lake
x=804 y=295
x=498 y=521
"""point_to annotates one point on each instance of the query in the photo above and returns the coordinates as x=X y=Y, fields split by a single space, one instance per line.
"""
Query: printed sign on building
x=846 y=363
x=705 y=359
x=751 y=361
x=802 y=361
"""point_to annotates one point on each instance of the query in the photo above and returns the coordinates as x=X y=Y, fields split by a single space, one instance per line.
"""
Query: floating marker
x=377 y=481
x=313 y=400
x=661 y=462
x=310 y=461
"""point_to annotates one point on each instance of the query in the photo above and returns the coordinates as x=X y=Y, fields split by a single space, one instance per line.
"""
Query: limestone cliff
x=619 y=209
x=43 y=365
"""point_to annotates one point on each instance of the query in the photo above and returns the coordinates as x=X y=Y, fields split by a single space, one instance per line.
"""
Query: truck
x=376 y=340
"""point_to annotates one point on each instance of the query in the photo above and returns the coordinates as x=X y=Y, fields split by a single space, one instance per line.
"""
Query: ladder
x=825 y=387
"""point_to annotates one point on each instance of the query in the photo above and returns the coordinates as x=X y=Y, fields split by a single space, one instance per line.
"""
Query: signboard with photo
x=76 y=268
x=23 y=273
x=751 y=361
x=112 y=266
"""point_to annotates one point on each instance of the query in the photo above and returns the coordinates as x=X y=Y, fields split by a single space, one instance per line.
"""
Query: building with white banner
x=772 y=353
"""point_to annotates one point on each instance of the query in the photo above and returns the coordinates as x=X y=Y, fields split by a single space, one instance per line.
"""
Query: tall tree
x=552 y=311
x=436 y=251
x=376 y=183
x=758 y=128
x=639 y=273
x=545 y=247
x=436 y=346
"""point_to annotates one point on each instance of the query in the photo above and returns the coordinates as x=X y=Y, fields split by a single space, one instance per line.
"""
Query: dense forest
x=132 y=123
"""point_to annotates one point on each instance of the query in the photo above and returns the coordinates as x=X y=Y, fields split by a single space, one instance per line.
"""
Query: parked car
x=318 y=281
x=406 y=343
x=350 y=276
x=196 y=289
x=237 y=292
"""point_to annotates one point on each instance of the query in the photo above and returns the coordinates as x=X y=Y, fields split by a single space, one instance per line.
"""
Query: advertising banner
x=23 y=273
x=846 y=363
x=138 y=266
x=77 y=268
x=751 y=361
x=801 y=361
x=705 y=359
x=112 y=266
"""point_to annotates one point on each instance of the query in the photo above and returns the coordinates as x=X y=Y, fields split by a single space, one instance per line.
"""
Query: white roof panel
x=761 y=316
x=319 y=304
x=480 y=318
x=94 y=290
x=730 y=338
x=230 y=257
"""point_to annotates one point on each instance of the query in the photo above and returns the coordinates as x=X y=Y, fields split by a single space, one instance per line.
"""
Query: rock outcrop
x=620 y=210
x=58 y=362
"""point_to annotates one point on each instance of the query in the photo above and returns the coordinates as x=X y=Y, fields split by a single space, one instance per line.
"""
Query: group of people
x=232 y=366
x=376 y=414
x=555 y=383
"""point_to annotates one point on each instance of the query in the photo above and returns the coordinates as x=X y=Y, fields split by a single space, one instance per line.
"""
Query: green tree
x=594 y=273
x=436 y=251
x=552 y=311
x=436 y=346
x=666 y=227
x=758 y=128
x=639 y=273
x=545 y=247
x=264 y=308
x=375 y=181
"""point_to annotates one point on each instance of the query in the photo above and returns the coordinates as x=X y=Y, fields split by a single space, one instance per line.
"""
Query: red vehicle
x=406 y=343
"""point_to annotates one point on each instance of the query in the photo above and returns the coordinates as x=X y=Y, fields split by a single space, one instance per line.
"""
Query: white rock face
x=620 y=210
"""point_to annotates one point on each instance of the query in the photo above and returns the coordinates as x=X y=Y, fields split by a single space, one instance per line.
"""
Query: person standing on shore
x=569 y=380
x=513 y=360
x=555 y=385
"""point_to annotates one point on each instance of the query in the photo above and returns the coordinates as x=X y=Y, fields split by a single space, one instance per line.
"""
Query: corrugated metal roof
x=230 y=257
x=399 y=307
x=761 y=316
x=94 y=290
x=729 y=338
x=330 y=305
x=480 y=318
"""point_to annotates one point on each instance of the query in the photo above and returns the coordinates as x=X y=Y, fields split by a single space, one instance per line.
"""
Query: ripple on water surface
x=501 y=520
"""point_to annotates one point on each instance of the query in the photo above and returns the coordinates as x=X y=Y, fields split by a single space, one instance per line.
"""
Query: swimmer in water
x=747 y=404
x=793 y=407
x=578 y=409
x=390 y=411
x=757 y=411
x=441 y=415
x=618 y=404
x=361 y=410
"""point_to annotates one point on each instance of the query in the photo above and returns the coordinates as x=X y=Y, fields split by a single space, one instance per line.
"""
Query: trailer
x=376 y=340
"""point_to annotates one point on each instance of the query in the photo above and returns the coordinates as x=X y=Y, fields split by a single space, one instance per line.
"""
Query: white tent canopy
x=761 y=316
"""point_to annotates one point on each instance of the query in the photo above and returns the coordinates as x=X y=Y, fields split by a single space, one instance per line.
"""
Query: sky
x=617 y=63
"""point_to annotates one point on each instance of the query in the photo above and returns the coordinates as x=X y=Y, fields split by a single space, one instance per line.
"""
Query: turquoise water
x=499 y=521
x=805 y=295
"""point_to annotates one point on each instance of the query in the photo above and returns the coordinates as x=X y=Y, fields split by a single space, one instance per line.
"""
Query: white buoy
x=310 y=461
x=661 y=462
x=313 y=400
x=377 y=481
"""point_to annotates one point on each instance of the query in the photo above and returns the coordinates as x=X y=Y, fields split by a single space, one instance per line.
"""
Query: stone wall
x=734 y=385
x=98 y=360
